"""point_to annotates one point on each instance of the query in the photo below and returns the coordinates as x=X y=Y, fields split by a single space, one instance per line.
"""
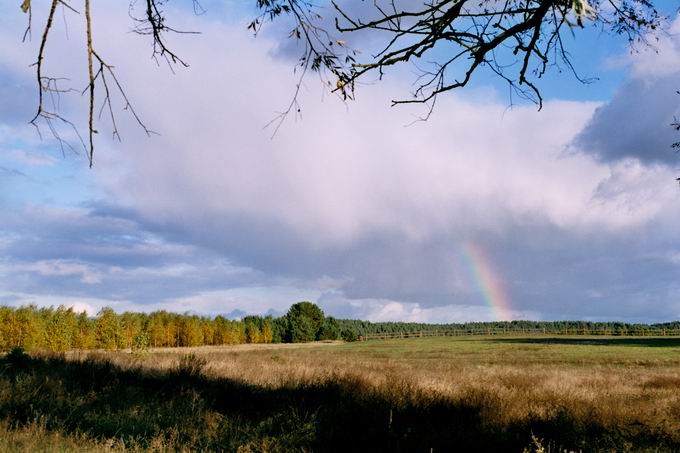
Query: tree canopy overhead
x=448 y=41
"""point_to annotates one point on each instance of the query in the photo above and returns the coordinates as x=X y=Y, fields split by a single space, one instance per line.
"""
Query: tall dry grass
x=334 y=397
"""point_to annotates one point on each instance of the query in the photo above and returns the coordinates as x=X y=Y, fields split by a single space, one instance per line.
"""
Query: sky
x=490 y=210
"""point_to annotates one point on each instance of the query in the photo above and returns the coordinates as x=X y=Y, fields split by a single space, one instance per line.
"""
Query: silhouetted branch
x=517 y=40
x=48 y=86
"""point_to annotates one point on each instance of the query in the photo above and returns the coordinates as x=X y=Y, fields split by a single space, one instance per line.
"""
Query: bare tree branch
x=448 y=42
x=90 y=73
x=49 y=87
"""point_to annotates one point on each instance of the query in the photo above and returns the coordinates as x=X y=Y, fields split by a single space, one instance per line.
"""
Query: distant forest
x=62 y=329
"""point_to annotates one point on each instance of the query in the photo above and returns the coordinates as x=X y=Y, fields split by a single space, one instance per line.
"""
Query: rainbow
x=487 y=281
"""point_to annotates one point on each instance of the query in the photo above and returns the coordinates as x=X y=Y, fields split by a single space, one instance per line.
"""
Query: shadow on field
x=182 y=409
x=655 y=342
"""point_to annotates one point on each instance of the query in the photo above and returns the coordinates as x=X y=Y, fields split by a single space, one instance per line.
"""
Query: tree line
x=62 y=328
x=360 y=328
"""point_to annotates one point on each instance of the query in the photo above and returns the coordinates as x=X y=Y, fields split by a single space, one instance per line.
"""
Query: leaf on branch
x=25 y=5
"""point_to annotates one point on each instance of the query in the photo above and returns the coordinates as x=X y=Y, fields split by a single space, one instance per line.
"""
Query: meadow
x=438 y=394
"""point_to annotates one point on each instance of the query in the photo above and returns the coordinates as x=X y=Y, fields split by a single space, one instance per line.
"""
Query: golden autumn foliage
x=61 y=329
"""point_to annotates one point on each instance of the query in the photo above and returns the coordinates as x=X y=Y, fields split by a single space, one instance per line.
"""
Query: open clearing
x=429 y=394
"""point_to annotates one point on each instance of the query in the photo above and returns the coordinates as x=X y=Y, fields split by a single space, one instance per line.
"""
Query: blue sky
x=575 y=207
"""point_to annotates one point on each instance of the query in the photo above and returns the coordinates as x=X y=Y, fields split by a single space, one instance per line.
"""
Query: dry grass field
x=431 y=394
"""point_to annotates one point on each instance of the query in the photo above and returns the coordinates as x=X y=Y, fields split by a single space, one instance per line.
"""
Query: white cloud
x=256 y=300
x=377 y=310
x=661 y=58
x=351 y=203
x=30 y=158
x=336 y=175
x=60 y=268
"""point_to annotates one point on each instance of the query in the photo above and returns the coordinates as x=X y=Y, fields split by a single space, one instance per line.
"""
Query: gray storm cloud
x=636 y=122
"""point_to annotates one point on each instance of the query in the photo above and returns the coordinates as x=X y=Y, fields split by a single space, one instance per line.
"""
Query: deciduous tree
x=84 y=332
x=108 y=333
x=60 y=329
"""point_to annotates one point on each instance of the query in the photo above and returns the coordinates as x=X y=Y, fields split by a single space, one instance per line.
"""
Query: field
x=536 y=393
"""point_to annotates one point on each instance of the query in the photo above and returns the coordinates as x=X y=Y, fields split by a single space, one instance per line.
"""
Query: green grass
x=548 y=350
x=440 y=393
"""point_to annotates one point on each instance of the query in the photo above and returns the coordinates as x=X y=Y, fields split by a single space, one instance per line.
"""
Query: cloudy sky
x=486 y=211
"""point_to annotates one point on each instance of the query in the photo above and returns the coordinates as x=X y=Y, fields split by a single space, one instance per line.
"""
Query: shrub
x=16 y=360
x=190 y=365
